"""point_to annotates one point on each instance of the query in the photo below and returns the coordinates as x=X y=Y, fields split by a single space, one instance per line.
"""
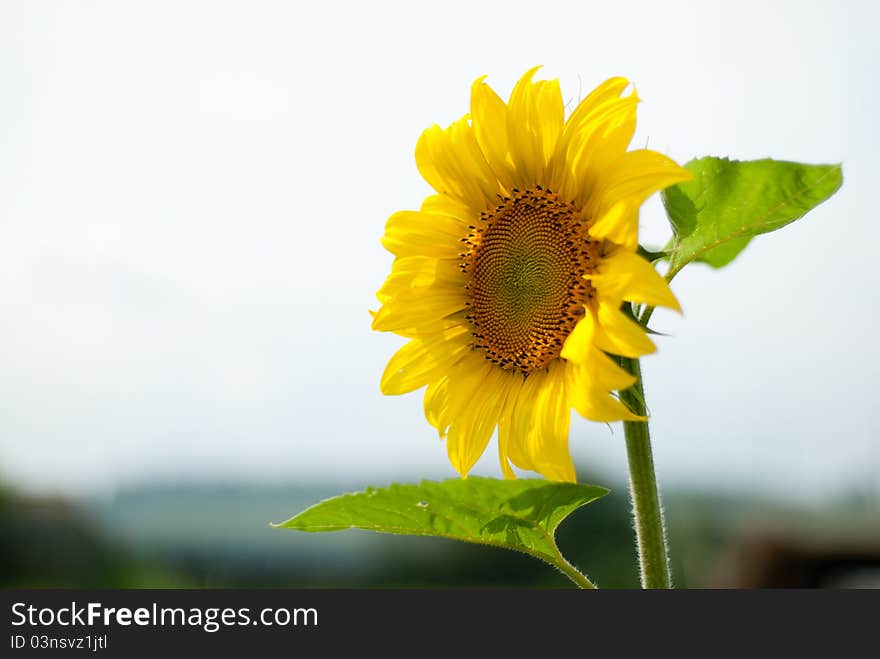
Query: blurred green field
x=190 y=536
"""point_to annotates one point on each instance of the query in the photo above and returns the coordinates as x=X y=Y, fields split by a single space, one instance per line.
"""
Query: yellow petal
x=581 y=348
x=579 y=343
x=535 y=116
x=452 y=162
x=595 y=142
x=472 y=429
x=436 y=404
x=595 y=404
x=521 y=421
x=421 y=272
x=605 y=374
x=548 y=440
x=505 y=424
x=429 y=328
x=550 y=112
x=636 y=175
x=605 y=328
x=415 y=233
x=619 y=224
x=619 y=335
x=465 y=391
x=593 y=103
x=415 y=310
x=422 y=361
x=623 y=187
x=463 y=380
x=489 y=120
x=441 y=204
x=624 y=275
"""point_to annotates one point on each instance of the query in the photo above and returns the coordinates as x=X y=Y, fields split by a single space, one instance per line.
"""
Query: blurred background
x=191 y=200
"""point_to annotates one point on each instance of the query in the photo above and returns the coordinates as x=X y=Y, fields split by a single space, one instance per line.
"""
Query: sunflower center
x=526 y=290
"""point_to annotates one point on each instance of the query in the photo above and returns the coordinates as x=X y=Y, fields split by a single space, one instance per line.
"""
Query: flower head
x=509 y=281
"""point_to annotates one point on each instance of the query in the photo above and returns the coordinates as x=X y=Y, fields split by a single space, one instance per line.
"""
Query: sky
x=192 y=196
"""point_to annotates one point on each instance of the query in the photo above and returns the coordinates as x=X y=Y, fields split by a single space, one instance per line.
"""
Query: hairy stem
x=650 y=531
x=573 y=573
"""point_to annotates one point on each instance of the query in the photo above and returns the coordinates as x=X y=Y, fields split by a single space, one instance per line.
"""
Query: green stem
x=572 y=572
x=650 y=533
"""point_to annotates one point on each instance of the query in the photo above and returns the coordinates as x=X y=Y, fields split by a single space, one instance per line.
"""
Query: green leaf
x=728 y=202
x=651 y=254
x=516 y=514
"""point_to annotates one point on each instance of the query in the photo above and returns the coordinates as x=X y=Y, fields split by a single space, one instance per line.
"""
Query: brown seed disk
x=526 y=290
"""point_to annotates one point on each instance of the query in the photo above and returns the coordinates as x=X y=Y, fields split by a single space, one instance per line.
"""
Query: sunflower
x=510 y=281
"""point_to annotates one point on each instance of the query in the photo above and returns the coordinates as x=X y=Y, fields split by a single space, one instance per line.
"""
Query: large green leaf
x=728 y=202
x=516 y=514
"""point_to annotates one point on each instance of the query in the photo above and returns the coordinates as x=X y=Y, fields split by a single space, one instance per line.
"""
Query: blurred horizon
x=190 y=535
x=846 y=490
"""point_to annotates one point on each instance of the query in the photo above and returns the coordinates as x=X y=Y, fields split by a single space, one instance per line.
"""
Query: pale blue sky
x=192 y=195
